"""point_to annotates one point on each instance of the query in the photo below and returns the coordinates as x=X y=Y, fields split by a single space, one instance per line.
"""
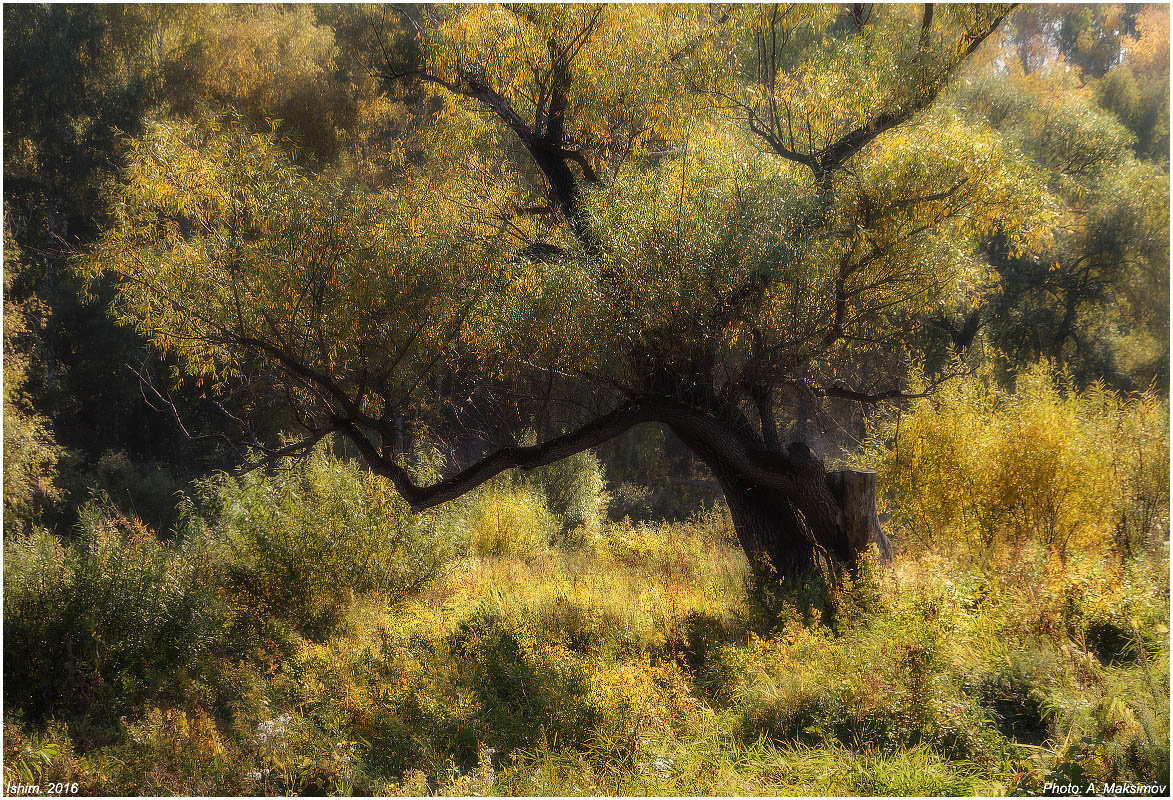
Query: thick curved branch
x=768 y=468
x=419 y=497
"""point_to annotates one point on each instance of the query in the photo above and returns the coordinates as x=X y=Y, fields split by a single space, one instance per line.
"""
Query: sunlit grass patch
x=638 y=662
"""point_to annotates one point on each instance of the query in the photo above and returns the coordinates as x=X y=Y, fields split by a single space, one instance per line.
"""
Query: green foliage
x=516 y=685
x=974 y=466
x=652 y=476
x=524 y=510
x=107 y=69
x=31 y=455
x=105 y=623
x=100 y=66
x=1137 y=90
x=699 y=251
x=115 y=619
x=1118 y=620
x=1122 y=737
x=299 y=543
x=264 y=62
x=92 y=62
x=900 y=694
x=358 y=244
x=575 y=490
x=28 y=764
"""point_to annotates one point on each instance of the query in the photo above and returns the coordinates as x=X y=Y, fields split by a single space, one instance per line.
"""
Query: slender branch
x=926 y=27
x=266 y=455
x=844 y=393
x=270 y=456
x=834 y=155
x=829 y=159
x=546 y=140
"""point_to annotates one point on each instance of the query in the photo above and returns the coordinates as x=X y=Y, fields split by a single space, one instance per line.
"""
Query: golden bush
x=975 y=466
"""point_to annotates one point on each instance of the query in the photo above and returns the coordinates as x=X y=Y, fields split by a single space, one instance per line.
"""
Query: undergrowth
x=630 y=662
x=302 y=632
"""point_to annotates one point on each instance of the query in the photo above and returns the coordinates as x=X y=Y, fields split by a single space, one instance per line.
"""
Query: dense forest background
x=119 y=478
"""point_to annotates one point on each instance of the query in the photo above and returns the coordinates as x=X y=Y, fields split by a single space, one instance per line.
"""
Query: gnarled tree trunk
x=792 y=517
x=808 y=521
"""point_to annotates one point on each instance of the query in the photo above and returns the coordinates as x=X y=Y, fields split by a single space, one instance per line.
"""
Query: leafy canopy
x=593 y=221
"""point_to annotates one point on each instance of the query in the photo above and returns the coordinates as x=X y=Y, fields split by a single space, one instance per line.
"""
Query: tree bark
x=770 y=530
x=856 y=490
x=826 y=521
x=808 y=522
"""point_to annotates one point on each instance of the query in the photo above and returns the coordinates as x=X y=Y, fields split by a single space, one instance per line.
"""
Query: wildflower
x=485 y=772
x=272 y=728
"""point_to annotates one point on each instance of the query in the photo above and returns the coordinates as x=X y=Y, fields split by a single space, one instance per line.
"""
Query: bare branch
x=844 y=393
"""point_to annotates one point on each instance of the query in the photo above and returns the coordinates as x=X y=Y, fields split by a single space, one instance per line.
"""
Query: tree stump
x=856 y=491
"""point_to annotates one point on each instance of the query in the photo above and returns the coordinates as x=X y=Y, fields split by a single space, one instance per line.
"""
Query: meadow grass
x=635 y=662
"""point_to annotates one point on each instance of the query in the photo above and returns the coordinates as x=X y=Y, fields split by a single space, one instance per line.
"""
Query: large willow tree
x=611 y=216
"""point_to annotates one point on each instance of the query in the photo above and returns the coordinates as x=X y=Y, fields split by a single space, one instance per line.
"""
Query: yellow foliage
x=513 y=521
x=974 y=466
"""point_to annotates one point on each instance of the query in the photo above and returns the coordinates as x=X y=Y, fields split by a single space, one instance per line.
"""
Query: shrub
x=1111 y=639
x=103 y=624
x=170 y=751
x=1116 y=614
x=976 y=466
x=576 y=624
x=505 y=518
x=523 y=690
x=1135 y=435
x=31 y=454
x=574 y=489
x=30 y=464
x=300 y=542
x=1015 y=695
x=145 y=489
x=631 y=500
x=1124 y=737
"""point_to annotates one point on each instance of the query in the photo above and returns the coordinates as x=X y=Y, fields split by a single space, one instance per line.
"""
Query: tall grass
x=303 y=633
